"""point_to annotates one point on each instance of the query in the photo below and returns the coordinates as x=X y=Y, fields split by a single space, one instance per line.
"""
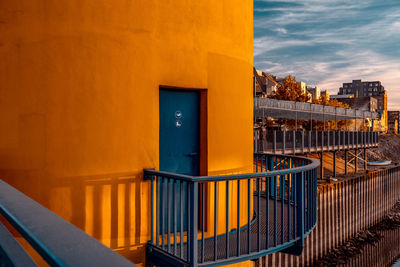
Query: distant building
x=366 y=103
x=264 y=83
x=259 y=83
x=369 y=88
x=325 y=93
x=359 y=88
x=393 y=121
x=315 y=92
x=271 y=83
x=305 y=91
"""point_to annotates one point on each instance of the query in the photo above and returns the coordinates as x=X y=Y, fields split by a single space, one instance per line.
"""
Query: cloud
x=281 y=30
x=330 y=42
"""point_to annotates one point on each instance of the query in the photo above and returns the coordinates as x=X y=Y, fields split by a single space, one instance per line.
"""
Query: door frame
x=203 y=124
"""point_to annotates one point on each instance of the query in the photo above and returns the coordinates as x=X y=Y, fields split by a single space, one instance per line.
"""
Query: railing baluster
x=288 y=206
x=282 y=191
x=275 y=198
x=168 y=218
x=257 y=163
x=310 y=200
x=238 y=219
x=315 y=197
x=306 y=199
x=293 y=191
x=227 y=219
x=203 y=196
x=181 y=218
x=267 y=185
x=193 y=192
x=162 y=212
x=262 y=169
x=152 y=210
x=215 y=220
x=175 y=211
x=158 y=208
x=300 y=221
x=271 y=168
x=295 y=205
x=248 y=217
x=258 y=216
x=188 y=219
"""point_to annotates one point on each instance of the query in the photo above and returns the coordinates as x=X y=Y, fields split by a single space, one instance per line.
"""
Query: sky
x=329 y=42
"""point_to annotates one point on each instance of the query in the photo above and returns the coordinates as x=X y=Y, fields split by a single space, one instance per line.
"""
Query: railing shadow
x=108 y=207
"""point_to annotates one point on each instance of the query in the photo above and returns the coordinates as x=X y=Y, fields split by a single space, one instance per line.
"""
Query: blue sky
x=327 y=42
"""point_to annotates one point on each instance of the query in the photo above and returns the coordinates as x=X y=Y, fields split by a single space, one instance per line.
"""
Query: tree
x=291 y=90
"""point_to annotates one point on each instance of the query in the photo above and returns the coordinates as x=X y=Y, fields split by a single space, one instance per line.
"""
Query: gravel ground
x=389 y=149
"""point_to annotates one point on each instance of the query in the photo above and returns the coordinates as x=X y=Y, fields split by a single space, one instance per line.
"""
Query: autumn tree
x=291 y=90
x=340 y=124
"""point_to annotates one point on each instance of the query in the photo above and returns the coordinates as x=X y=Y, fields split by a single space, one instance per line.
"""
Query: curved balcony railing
x=217 y=220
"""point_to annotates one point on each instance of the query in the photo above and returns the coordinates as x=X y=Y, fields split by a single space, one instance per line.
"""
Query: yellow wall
x=79 y=100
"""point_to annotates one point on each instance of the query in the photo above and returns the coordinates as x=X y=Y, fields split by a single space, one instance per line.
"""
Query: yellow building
x=79 y=102
x=304 y=91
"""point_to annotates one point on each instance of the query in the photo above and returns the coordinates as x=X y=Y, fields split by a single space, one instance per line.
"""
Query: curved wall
x=79 y=100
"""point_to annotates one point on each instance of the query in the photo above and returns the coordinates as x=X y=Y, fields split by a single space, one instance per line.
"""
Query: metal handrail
x=313 y=164
x=56 y=240
x=248 y=215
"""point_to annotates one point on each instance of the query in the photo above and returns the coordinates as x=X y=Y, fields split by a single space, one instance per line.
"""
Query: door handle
x=194 y=154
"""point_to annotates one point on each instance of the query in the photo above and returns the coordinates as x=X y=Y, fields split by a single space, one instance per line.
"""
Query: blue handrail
x=56 y=240
x=214 y=220
x=312 y=164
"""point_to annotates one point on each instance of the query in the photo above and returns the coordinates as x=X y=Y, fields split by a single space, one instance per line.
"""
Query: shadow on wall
x=109 y=207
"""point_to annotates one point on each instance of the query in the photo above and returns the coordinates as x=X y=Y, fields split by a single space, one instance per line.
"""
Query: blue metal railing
x=312 y=141
x=57 y=241
x=216 y=220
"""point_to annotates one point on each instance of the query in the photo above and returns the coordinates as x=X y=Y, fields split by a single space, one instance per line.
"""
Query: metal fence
x=266 y=107
x=210 y=220
x=57 y=241
x=282 y=142
x=344 y=209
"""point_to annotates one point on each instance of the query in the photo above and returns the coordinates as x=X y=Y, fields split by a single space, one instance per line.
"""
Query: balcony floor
x=273 y=241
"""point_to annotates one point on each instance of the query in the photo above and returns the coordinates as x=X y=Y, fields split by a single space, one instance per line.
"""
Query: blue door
x=180 y=132
x=179 y=147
